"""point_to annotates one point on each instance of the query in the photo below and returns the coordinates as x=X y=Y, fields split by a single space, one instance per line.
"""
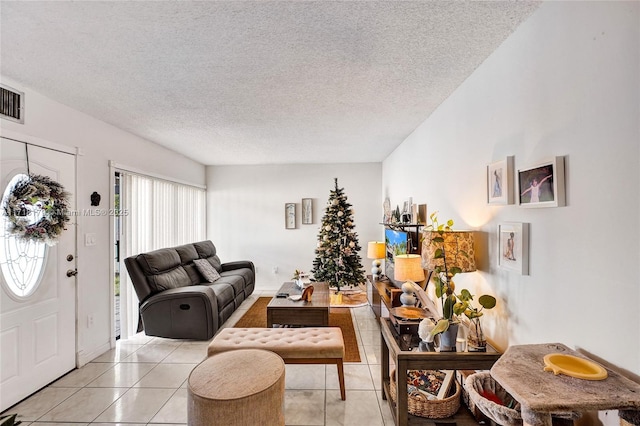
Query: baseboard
x=86 y=357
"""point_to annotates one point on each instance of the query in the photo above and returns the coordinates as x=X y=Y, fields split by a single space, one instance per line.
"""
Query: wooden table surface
x=520 y=372
x=290 y=312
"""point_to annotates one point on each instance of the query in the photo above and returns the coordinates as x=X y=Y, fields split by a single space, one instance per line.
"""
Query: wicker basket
x=500 y=414
x=419 y=405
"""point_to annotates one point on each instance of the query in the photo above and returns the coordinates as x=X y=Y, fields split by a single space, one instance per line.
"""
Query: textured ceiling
x=238 y=82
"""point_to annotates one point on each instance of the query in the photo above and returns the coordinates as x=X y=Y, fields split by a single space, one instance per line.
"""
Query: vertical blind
x=160 y=214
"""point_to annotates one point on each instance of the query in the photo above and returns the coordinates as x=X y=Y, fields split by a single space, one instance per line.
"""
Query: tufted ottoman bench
x=236 y=389
x=305 y=345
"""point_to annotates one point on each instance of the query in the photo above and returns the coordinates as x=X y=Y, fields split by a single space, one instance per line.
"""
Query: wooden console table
x=382 y=293
x=540 y=393
x=408 y=356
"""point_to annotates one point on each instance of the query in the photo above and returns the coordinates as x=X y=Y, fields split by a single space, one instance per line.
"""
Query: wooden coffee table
x=288 y=312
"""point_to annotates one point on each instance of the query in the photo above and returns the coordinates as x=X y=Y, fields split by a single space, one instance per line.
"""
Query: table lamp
x=448 y=253
x=408 y=267
x=457 y=247
x=376 y=251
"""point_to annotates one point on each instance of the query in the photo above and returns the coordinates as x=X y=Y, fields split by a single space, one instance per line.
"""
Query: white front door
x=37 y=323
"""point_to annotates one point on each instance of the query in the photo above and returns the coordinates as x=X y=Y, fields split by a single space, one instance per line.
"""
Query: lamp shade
x=376 y=250
x=408 y=267
x=458 y=250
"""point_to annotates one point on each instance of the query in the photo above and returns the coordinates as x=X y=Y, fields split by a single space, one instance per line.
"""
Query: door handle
x=72 y=272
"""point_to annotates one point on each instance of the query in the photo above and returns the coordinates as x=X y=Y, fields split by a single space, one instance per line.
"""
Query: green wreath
x=37 y=209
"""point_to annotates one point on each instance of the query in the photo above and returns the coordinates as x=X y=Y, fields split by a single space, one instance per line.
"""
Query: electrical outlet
x=89 y=321
x=90 y=239
x=275 y=269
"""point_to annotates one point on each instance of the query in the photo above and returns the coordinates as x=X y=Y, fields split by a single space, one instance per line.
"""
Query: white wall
x=565 y=83
x=245 y=213
x=99 y=142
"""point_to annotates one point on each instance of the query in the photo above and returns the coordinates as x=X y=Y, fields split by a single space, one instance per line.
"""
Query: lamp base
x=376 y=271
x=407 y=298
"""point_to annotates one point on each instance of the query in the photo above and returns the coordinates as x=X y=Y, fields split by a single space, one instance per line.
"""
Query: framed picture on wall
x=307 y=211
x=500 y=182
x=513 y=247
x=290 y=216
x=542 y=185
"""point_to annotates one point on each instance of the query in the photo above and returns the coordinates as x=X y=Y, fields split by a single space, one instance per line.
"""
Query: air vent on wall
x=12 y=106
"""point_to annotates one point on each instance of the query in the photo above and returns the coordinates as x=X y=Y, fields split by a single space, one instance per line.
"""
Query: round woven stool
x=241 y=387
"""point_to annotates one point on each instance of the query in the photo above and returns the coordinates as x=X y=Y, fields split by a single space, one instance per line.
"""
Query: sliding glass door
x=157 y=213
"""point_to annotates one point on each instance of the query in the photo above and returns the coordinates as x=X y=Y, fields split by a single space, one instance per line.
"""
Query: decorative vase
x=448 y=338
x=475 y=340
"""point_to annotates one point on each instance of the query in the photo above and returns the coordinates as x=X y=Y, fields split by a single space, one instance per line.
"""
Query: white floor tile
x=175 y=410
x=370 y=337
x=360 y=408
x=150 y=353
x=187 y=354
x=84 y=405
x=118 y=353
x=356 y=377
x=42 y=402
x=122 y=375
x=298 y=376
x=304 y=407
x=136 y=406
x=83 y=376
x=166 y=376
x=114 y=424
x=372 y=354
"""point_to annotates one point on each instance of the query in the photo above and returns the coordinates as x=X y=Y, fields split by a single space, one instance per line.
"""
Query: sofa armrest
x=187 y=312
x=230 y=266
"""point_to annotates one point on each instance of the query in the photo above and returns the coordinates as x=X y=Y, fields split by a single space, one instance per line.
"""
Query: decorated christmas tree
x=337 y=260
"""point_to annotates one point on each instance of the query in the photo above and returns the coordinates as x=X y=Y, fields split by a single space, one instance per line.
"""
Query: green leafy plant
x=296 y=275
x=452 y=304
x=9 y=420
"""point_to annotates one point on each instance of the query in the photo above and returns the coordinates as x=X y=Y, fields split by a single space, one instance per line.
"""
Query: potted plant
x=450 y=253
x=9 y=420
x=300 y=278
x=476 y=339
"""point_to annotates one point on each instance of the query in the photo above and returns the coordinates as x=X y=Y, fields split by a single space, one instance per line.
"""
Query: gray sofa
x=176 y=301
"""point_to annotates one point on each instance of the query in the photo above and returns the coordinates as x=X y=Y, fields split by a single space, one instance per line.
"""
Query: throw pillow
x=208 y=272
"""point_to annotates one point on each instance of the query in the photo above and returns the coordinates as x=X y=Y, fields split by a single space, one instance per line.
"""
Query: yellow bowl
x=573 y=366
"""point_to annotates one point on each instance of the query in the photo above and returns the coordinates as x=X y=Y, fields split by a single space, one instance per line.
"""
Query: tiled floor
x=143 y=381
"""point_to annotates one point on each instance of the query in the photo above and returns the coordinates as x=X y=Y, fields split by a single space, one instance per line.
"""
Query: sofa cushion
x=158 y=261
x=193 y=273
x=206 y=250
x=187 y=253
x=245 y=273
x=235 y=281
x=174 y=278
x=224 y=294
x=208 y=272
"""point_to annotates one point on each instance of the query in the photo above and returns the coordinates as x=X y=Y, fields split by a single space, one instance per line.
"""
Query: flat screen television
x=396 y=242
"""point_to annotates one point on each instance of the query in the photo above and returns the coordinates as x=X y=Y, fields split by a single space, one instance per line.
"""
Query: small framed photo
x=433 y=384
x=307 y=211
x=290 y=216
x=542 y=185
x=500 y=182
x=513 y=247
